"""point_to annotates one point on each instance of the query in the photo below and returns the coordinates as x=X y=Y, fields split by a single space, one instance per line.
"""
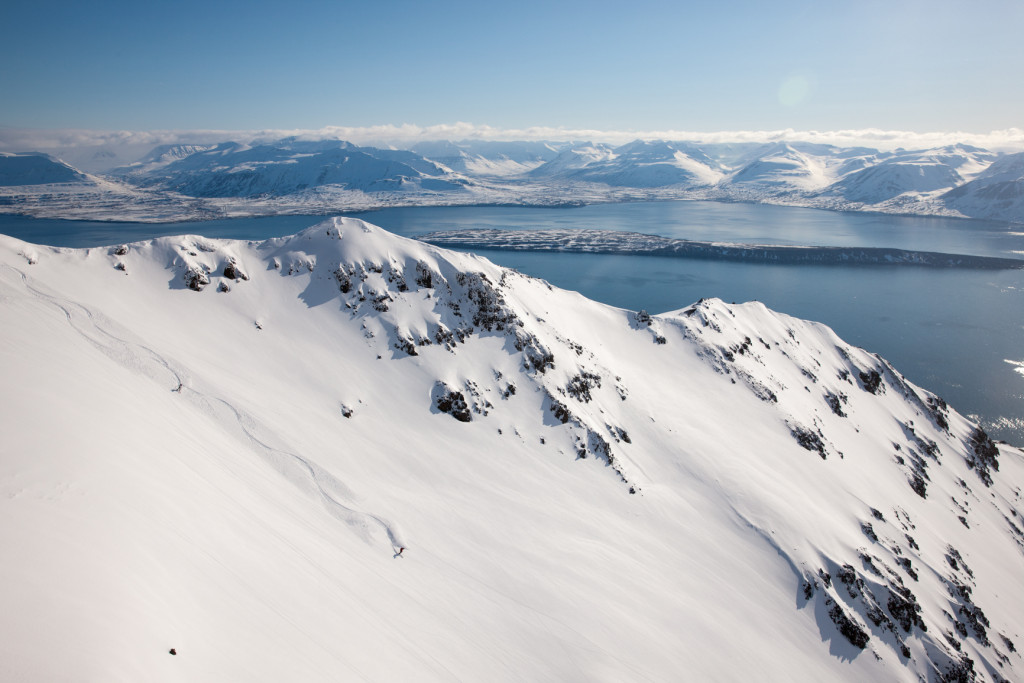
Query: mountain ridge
x=325 y=176
x=579 y=488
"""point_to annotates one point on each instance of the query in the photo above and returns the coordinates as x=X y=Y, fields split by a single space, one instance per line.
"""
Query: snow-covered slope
x=997 y=192
x=486 y=158
x=885 y=176
x=789 y=167
x=573 y=160
x=35 y=169
x=288 y=166
x=160 y=156
x=221 y=447
x=292 y=175
x=887 y=180
x=641 y=163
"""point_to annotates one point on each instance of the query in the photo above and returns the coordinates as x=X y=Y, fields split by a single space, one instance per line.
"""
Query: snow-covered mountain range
x=301 y=176
x=35 y=169
x=350 y=455
x=286 y=167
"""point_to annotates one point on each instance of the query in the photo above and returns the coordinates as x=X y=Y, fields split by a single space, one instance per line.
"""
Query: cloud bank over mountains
x=30 y=139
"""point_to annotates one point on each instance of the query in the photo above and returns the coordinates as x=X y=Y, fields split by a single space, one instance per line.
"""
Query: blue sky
x=918 y=66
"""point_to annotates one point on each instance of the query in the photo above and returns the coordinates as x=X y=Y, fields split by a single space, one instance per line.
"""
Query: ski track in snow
x=136 y=357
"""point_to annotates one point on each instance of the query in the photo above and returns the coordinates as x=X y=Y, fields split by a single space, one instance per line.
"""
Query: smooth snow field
x=348 y=455
x=954 y=332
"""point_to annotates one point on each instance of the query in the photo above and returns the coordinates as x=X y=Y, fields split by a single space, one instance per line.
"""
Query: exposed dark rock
x=397 y=278
x=958 y=671
x=344 y=278
x=976 y=619
x=452 y=402
x=405 y=344
x=908 y=567
x=917 y=483
x=380 y=302
x=809 y=440
x=491 y=312
x=536 y=355
x=849 y=628
x=559 y=410
x=836 y=402
x=424 y=276
x=847 y=575
x=233 y=272
x=196 y=278
x=580 y=385
x=872 y=382
x=985 y=457
x=940 y=411
x=905 y=610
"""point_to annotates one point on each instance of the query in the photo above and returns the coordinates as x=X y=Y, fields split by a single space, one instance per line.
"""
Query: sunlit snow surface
x=220 y=446
x=190 y=182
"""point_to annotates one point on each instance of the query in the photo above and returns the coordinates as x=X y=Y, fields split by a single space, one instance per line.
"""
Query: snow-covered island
x=346 y=455
x=618 y=242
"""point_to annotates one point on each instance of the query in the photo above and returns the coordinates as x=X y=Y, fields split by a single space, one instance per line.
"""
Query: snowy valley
x=350 y=455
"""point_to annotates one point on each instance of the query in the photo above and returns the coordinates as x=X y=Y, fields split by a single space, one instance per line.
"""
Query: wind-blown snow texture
x=296 y=176
x=220 y=447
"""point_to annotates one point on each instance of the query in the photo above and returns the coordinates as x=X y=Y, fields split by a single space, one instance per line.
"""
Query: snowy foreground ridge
x=221 y=447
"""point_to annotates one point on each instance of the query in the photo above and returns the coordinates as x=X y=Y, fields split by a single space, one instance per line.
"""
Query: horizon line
x=12 y=138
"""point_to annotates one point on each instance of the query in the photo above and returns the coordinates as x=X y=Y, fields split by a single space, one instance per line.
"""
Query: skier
x=399 y=553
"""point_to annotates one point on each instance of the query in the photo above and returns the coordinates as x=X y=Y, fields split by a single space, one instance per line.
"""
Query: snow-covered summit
x=289 y=166
x=641 y=163
x=35 y=169
x=221 y=446
x=997 y=192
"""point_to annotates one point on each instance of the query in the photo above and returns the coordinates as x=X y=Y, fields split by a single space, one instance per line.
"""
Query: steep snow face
x=35 y=169
x=222 y=447
x=891 y=179
x=289 y=166
x=640 y=163
x=160 y=157
x=786 y=167
x=321 y=176
x=998 y=192
x=916 y=171
x=571 y=160
x=487 y=158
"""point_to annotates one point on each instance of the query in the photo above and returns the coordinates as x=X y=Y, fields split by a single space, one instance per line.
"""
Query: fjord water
x=956 y=332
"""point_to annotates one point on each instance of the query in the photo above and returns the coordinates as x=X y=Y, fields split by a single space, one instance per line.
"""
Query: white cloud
x=24 y=139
